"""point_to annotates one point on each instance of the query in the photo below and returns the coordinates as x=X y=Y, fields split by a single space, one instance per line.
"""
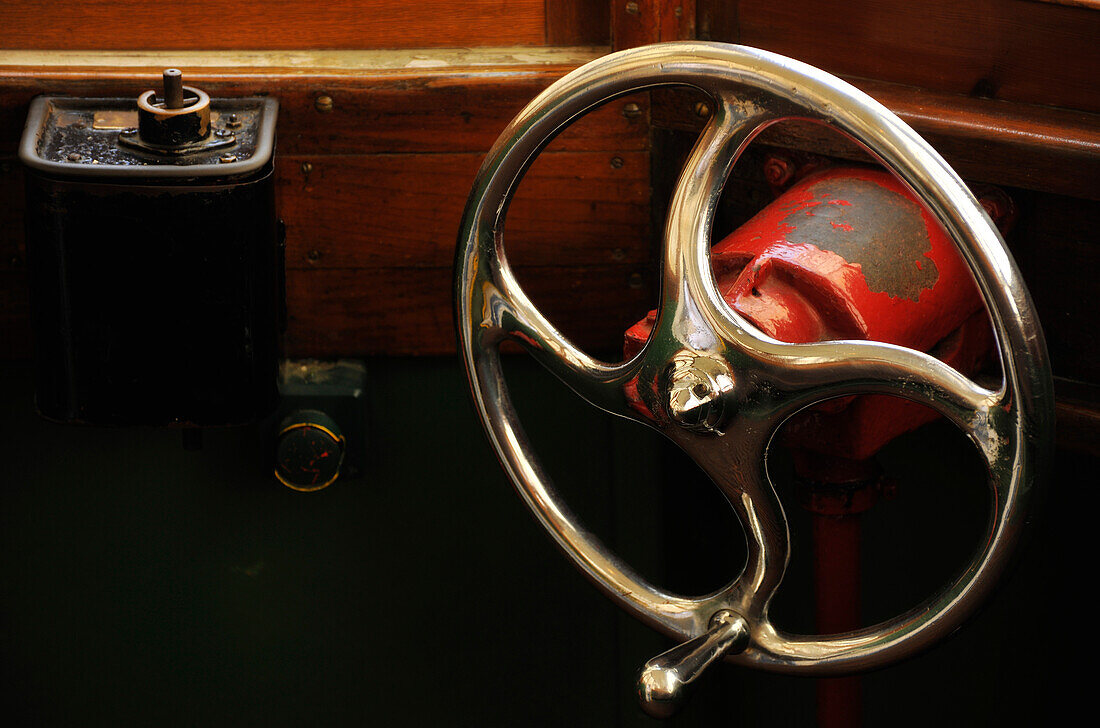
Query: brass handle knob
x=665 y=679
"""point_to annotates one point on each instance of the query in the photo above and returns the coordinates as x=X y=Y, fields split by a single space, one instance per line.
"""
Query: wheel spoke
x=686 y=267
x=738 y=467
x=806 y=374
x=603 y=385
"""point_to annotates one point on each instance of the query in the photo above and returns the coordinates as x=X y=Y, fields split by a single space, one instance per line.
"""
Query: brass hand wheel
x=720 y=388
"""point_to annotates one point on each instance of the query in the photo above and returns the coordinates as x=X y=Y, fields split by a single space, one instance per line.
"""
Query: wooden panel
x=211 y=24
x=578 y=22
x=651 y=21
x=1021 y=145
x=430 y=111
x=1019 y=51
x=404 y=210
x=717 y=20
x=359 y=211
x=409 y=310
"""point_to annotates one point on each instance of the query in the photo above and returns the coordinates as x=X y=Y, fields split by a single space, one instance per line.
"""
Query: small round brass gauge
x=309 y=451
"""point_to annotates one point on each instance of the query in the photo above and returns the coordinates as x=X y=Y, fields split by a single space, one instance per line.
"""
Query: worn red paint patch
x=820 y=264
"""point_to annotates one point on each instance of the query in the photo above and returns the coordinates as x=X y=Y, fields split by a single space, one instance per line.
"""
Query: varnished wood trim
x=1022 y=145
x=214 y=24
x=440 y=109
x=1027 y=52
x=308 y=62
x=651 y=21
x=402 y=311
x=577 y=22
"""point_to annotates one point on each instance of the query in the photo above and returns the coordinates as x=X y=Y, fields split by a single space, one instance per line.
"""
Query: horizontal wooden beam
x=1027 y=52
x=402 y=311
x=436 y=109
x=212 y=24
x=296 y=61
x=1021 y=145
x=380 y=211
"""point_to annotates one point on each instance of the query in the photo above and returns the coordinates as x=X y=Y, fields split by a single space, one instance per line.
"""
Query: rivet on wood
x=632 y=111
x=702 y=109
x=324 y=104
x=307 y=167
x=617 y=162
x=632 y=9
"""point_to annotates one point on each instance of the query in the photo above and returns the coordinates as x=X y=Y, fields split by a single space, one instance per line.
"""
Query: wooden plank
x=677 y=19
x=1029 y=52
x=355 y=211
x=578 y=22
x=303 y=61
x=404 y=210
x=651 y=21
x=396 y=312
x=634 y=24
x=425 y=110
x=211 y=24
x=717 y=20
x=1021 y=145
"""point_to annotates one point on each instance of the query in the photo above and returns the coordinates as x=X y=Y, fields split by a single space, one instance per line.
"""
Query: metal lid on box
x=177 y=133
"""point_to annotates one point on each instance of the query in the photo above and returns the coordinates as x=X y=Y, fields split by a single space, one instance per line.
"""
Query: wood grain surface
x=273 y=24
x=400 y=311
x=1022 y=145
x=651 y=21
x=572 y=208
x=578 y=22
x=1031 y=52
x=430 y=110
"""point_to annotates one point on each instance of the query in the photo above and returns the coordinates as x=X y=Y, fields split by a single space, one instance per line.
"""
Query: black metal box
x=156 y=275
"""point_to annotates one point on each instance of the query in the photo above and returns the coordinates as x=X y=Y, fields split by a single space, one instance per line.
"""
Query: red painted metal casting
x=849 y=253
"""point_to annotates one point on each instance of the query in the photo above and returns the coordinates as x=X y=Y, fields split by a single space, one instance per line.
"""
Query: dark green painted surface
x=144 y=584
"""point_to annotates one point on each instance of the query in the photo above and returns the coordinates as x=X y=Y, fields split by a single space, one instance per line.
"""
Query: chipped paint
x=870 y=226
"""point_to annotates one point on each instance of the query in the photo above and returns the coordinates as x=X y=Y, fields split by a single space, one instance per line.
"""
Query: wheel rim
x=752 y=89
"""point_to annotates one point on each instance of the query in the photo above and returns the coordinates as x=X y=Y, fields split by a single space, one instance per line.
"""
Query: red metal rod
x=836 y=544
